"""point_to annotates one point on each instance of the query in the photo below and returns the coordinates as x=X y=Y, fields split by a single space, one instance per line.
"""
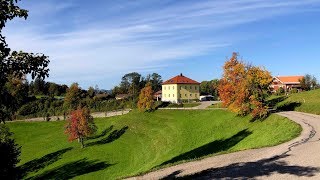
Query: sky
x=97 y=42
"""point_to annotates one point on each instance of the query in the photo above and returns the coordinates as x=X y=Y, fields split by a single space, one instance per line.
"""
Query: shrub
x=10 y=153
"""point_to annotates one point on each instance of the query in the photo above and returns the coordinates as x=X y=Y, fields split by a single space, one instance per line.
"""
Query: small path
x=94 y=115
x=296 y=159
x=203 y=105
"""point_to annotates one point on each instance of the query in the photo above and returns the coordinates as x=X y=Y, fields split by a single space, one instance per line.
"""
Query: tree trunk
x=81 y=141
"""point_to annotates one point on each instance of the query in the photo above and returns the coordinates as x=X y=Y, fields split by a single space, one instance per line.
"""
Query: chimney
x=181 y=74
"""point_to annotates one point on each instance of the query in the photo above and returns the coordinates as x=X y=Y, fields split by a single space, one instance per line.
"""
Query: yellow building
x=180 y=89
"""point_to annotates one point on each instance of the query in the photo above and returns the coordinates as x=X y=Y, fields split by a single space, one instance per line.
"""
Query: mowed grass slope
x=137 y=142
x=308 y=102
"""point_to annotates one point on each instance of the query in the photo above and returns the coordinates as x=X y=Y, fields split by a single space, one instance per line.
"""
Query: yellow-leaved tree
x=243 y=88
x=146 y=101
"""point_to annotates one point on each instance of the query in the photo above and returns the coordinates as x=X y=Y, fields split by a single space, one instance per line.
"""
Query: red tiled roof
x=180 y=79
x=289 y=79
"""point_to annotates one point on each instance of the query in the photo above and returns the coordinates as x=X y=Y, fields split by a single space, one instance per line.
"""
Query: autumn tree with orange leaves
x=80 y=125
x=146 y=101
x=243 y=88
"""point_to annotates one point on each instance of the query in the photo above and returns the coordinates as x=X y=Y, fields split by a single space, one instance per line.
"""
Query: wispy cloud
x=106 y=38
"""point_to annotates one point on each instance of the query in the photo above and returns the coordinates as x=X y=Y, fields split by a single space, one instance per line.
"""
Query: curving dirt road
x=296 y=159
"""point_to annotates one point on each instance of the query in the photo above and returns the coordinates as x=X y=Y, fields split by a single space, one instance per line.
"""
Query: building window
x=172 y=95
x=185 y=95
x=180 y=87
x=169 y=95
x=169 y=87
x=173 y=87
x=195 y=87
x=180 y=96
x=190 y=95
x=185 y=87
x=190 y=87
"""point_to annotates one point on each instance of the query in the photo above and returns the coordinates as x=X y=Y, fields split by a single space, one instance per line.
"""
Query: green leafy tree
x=13 y=63
x=91 y=92
x=209 y=87
x=308 y=82
x=53 y=89
x=130 y=83
x=73 y=97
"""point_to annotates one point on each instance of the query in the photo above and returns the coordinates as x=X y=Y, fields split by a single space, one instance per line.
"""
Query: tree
x=243 y=88
x=80 y=125
x=73 y=97
x=10 y=153
x=130 y=83
x=146 y=102
x=209 y=87
x=91 y=92
x=308 y=82
x=156 y=81
x=53 y=89
x=13 y=63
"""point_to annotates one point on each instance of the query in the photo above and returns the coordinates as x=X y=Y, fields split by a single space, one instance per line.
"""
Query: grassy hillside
x=308 y=101
x=137 y=142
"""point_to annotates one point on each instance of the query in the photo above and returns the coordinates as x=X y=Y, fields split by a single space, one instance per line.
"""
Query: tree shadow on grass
x=73 y=169
x=273 y=102
x=288 y=106
x=211 y=148
x=103 y=133
x=114 y=135
x=252 y=170
x=40 y=163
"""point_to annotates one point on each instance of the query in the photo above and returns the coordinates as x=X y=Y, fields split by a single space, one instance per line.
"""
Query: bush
x=294 y=90
x=280 y=91
x=10 y=153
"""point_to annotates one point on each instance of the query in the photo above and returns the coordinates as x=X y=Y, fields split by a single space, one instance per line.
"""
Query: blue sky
x=96 y=43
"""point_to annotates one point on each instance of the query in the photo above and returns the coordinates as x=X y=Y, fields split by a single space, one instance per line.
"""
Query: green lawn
x=308 y=102
x=137 y=142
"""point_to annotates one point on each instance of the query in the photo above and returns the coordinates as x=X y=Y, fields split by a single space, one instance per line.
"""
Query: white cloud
x=146 y=38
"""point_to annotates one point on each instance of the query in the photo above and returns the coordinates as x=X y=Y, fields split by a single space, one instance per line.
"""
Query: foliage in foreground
x=243 y=88
x=80 y=125
x=15 y=64
x=10 y=153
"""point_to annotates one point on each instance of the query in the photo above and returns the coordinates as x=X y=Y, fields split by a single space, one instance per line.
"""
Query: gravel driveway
x=297 y=159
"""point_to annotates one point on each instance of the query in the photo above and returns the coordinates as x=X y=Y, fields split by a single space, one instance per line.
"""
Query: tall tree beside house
x=243 y=88
x=73 y=97
x=146 y=101
x=80 y=125
x=130 y=83
x=308 y=82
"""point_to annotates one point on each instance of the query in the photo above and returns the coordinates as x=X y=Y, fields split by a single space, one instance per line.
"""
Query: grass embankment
x=182 y=105
x=137 y=142
x=217 y=105
x=308 y=102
